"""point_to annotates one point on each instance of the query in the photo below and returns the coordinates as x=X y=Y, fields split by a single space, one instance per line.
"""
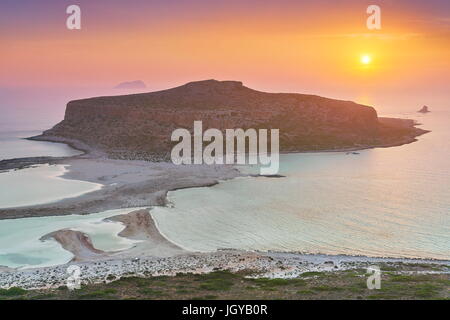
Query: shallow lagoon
x=20 y=245
x=39 y=184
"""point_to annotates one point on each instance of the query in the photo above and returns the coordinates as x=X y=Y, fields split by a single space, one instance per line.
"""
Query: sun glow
x=366 y=59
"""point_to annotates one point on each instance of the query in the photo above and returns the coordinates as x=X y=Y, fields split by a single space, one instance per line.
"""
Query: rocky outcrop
x=424 y=109
x=139 y=126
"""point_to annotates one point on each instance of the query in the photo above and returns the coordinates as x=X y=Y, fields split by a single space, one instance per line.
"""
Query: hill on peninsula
x=139 y=126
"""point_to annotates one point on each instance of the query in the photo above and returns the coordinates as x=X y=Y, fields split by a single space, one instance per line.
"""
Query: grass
x=350 y=284
x=12 y=292
x=312 y=274
x=408 y=278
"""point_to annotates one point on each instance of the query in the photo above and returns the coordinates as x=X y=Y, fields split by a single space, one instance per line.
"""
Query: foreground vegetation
x=402 y=282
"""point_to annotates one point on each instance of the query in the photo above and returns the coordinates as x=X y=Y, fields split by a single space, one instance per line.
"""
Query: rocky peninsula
x=139 y=126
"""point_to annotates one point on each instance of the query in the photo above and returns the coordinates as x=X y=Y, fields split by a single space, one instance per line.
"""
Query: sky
x=280 y=45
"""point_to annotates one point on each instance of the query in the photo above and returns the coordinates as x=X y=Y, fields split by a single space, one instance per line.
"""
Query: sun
x=366 y=59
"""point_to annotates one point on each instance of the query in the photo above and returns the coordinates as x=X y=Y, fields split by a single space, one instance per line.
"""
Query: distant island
x=139 y=126
x=424 y=109
x=138 y=84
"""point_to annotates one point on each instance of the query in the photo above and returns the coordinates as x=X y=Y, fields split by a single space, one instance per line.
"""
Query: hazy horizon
x=275 y=46
x=286 y=46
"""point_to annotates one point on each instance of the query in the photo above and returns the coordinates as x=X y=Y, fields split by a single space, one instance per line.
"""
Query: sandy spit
x=138 y=225
x=126 y=184
x=78 y=243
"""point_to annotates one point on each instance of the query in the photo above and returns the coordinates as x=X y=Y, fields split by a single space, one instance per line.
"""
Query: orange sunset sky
x=301 y=46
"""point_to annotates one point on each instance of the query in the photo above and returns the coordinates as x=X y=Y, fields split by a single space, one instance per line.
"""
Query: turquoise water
x=38 y=185
x=20 y=246
x=382 y=202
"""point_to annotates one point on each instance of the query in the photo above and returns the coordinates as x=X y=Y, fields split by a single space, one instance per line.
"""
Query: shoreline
x=139 y=225
x=121 y=187
x=156 y=255
x=91 y=152
x=404 y=123
x=269 y=265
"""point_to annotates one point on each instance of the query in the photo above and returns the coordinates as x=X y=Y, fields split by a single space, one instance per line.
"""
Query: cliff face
x=140 y=125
